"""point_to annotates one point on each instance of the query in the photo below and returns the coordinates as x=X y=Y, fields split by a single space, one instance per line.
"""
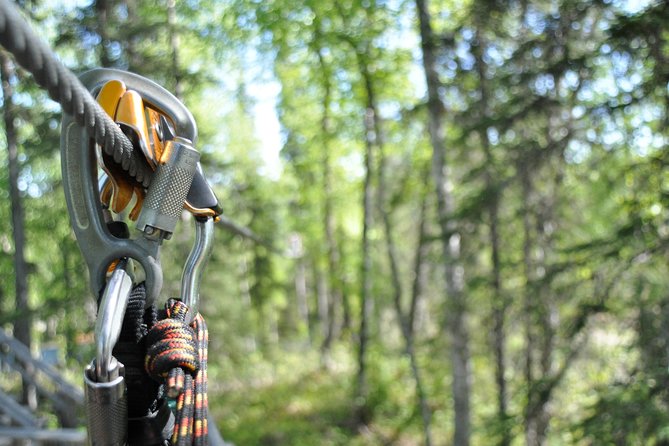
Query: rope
x=201 y=429
x=177 y=356
x=64 y=87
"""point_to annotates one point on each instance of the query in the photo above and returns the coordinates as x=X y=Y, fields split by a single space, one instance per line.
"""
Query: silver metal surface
x=89 y=221
x=166 y=195
x=110 y=319
x=197 y=259
x=106 y=407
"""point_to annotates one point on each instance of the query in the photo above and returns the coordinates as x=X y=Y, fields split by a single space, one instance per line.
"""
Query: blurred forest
x=466 y=228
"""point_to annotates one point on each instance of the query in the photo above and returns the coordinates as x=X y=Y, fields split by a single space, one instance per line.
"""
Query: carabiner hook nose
x=110 y=319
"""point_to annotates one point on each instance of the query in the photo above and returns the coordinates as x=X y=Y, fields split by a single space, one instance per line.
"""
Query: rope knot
x=172 y=349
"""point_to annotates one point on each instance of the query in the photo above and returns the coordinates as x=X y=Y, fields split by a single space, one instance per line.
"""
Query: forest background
x=466 y=229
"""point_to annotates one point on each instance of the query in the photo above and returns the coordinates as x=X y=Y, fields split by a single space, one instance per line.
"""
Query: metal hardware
x=106 y=406
x=169 y=187
x=110 y=319
x=105 y=389
x=197 y=259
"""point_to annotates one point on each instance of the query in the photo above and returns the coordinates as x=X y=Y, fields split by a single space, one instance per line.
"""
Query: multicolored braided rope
x=177 y=357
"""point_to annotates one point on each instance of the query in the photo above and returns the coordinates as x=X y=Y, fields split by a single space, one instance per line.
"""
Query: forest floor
x=296 y=401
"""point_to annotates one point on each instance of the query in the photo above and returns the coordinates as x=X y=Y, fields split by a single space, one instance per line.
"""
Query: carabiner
x=104 y=378
x=192 y=273
x=110 y=318
x=80 y=177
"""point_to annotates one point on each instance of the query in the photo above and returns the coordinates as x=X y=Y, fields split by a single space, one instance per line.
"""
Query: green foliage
x=556 y=130
x=293 y=402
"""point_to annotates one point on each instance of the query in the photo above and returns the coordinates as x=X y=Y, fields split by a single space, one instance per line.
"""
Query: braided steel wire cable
x=64 y=87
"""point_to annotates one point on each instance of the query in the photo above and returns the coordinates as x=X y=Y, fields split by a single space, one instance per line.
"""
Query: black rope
x=64 y=87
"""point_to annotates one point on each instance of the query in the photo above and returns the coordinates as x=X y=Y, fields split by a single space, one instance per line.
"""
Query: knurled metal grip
x=106 y=408
x=170 y=184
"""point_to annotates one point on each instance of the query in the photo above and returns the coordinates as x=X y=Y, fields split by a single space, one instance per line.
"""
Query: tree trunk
x=405 y=320
x=499 y=302
x=334 y=284
x=366 y=302
x=455 y=319
x=419 y=261
x=301 y=292
x=416 y=293
x=539 y=311
x=529 y=305
x=22 y=326
x=499 y=319
x=547 y=316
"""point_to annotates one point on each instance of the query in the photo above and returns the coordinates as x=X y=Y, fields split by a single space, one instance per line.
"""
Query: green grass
x=312 y=408
x=291 y=400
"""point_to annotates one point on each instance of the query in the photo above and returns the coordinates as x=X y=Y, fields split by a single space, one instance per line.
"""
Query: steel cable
x=64 y=87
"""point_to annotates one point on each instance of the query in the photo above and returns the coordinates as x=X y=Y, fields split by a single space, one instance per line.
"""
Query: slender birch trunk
x=499 y=302
x=405 y=320
x=416 y=294
x=333 y=261
x=456 y=308
x=366 y=298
